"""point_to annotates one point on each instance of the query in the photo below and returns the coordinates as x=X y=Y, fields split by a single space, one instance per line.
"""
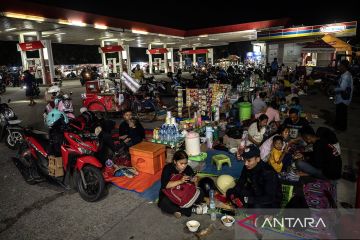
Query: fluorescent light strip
x=77 y=23
x=24 y=16
x=139 y=31
x=90 y=39
x=10 y=29
x=100 y=26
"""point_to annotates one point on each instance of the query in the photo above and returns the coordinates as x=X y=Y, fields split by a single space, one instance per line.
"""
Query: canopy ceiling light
x=24 y=16
x=100 y=26
x=127 y=39
x=111 y=40
x=139 y=31
x=10 y=29
x=29 y=33
x=90 y=39
x=77 y=23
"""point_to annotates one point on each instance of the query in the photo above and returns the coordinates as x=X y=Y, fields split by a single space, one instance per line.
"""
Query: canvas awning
x=338 y=44
x=318 y=47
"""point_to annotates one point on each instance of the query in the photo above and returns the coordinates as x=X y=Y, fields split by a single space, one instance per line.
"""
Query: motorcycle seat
x=14 y=122
x=42 y=136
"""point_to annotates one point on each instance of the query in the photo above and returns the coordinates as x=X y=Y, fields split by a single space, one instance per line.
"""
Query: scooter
x=9 y=126
x=78 y=162
x=62 y=103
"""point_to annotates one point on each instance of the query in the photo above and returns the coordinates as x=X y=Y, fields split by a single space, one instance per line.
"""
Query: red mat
x=138 y=183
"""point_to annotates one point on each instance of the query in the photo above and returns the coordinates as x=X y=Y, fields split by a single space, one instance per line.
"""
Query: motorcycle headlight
x=85 y=151
x=9 y=113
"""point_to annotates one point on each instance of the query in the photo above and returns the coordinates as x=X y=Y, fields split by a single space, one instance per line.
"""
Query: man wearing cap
x=258 y=185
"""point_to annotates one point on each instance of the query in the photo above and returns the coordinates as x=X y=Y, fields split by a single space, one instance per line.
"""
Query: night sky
x=184 y=14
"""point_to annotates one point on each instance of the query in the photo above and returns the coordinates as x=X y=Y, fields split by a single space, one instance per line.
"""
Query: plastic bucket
x=244 y=111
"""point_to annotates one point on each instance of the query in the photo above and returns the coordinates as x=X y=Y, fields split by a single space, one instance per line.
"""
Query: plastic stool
x=219 y=160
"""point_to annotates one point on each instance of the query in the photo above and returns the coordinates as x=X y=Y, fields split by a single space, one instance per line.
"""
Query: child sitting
x=277 y=153
x=295 y=103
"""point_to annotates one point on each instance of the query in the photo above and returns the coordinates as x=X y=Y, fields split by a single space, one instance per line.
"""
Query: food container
x=228 y=221
x=192 y=144
x=193 y=225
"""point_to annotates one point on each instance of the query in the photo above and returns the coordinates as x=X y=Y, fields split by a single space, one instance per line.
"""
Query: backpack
x=183 y=195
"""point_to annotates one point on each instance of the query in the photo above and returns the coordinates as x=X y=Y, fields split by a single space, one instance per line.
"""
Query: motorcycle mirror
x=9 y=100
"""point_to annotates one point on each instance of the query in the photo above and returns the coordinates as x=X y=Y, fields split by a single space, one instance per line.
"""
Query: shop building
x=318 y=45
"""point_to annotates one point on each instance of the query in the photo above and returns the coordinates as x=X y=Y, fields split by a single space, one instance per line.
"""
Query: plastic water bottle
x=212 y=205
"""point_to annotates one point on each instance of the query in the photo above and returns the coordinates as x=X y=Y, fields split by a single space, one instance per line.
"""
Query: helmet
x=83 y=109
x=54 y=89
x=56 y=101
x=224 y=183
x=54 y=116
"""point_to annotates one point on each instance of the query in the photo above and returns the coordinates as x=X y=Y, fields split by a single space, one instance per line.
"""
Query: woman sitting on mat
x=184 y=174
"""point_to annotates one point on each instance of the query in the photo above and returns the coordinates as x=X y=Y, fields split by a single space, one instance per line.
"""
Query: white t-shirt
x=255 y=134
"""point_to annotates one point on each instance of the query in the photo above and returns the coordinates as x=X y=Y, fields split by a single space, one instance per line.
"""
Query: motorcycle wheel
x=95 y=184
x=24 y=155
x=13 y=139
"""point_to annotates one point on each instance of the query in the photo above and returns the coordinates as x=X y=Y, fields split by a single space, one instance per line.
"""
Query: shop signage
x=332 y=29
x=110 y=49
x=344 y=29
x=30 y=46
x=157 y=51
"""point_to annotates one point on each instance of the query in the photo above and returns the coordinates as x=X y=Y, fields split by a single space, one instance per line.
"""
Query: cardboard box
x=55 y=166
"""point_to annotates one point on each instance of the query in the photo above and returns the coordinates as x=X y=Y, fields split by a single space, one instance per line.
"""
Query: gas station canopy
x=74 y=27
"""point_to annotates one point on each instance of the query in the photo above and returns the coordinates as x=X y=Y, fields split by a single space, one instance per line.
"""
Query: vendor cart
x=99 y=98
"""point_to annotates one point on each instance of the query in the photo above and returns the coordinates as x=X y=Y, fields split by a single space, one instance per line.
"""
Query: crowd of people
x=282 y=145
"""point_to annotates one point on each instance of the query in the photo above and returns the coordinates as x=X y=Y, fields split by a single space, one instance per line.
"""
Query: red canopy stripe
x=196 y=51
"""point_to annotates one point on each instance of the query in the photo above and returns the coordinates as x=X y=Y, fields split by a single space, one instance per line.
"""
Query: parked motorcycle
x=76 y=152
x=88 y=75
x=152 y=87
x=63 y=103
x=9 y=126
